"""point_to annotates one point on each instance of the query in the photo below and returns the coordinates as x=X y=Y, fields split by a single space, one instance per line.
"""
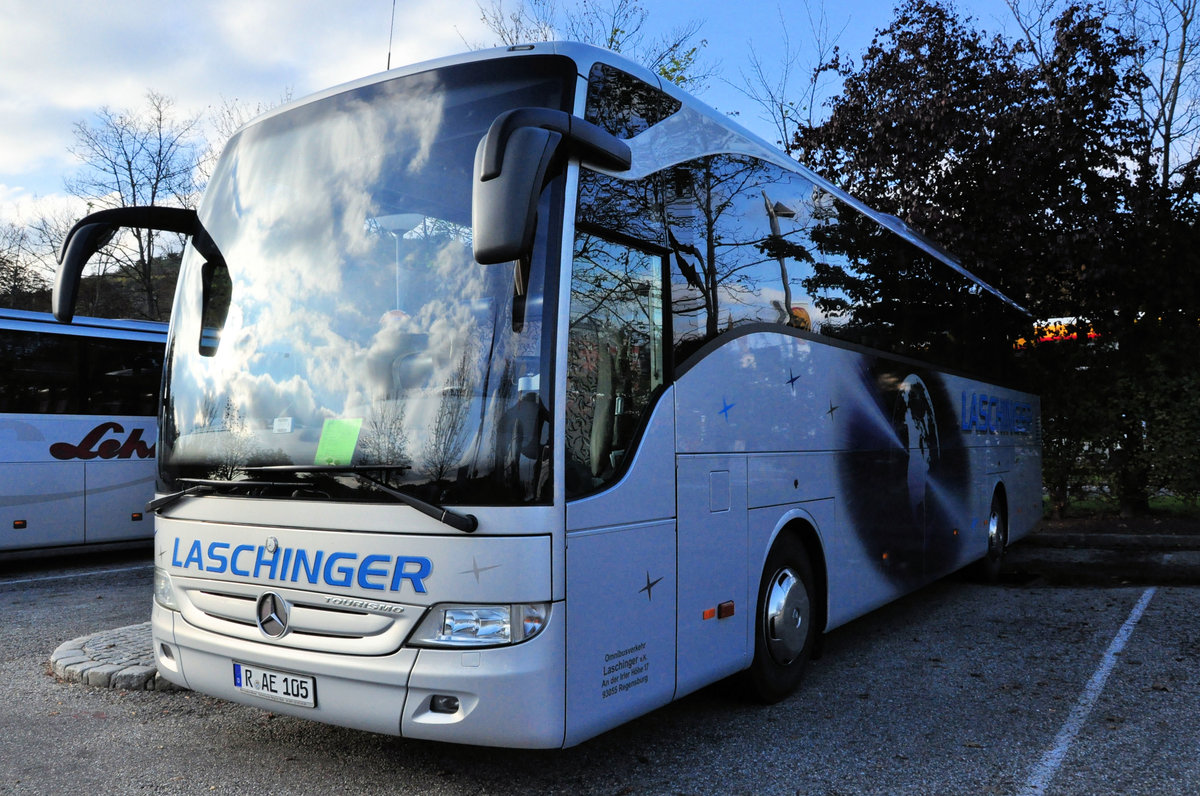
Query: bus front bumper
x=505 y=696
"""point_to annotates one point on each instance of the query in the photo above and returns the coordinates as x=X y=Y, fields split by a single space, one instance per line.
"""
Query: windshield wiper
x=207 y=486
x=467 y=523
x=161 y=503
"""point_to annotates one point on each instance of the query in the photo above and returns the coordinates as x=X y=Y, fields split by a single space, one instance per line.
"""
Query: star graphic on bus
x=476 y=569
x=725 y=407
x=793 y=378
x=832 y=408
x=648 y=588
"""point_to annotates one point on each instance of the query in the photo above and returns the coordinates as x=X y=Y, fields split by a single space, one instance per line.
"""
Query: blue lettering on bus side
x=233 y=560
x=302 y=561
x=339 y=569
x=991 y=414
x=344 y=573
x=272 y=563
x=417 y=579
x=194 y=555
x=367 y=570
x=221 y=562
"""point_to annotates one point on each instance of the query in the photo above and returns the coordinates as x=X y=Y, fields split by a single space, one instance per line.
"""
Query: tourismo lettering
x=295 y=565
x=97 y=444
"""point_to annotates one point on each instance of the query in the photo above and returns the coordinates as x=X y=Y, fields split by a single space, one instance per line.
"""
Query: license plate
x=294 y=689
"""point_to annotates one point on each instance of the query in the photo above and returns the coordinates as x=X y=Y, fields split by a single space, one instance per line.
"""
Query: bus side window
x=740 y=230
x=39 y=373
x=615 y=356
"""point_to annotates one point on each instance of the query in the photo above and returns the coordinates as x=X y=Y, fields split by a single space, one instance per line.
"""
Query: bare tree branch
x=136 y=158
x=769 y=86
x=617 y=25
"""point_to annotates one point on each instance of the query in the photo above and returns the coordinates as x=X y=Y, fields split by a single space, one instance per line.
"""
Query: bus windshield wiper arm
x=208 y=486
x=467 y=523
x=161 y=503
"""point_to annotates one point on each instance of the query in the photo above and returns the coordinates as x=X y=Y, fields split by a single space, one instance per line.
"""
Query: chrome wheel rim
x=995 y=533
x=786 y=616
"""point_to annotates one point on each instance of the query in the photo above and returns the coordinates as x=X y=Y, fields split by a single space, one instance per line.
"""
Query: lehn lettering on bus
x=94 y=445
x=293 y=565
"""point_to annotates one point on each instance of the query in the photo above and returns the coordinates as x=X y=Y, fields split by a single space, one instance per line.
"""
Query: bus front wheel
x=784 y=624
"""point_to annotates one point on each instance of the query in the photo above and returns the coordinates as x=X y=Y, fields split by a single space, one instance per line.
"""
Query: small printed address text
x=623 y=670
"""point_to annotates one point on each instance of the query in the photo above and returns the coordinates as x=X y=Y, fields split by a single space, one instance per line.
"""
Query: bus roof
x=82 y=326
x=738 y=139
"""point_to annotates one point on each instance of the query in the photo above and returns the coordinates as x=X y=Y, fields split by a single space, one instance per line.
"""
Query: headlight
x=164 y=590
x=480 y=625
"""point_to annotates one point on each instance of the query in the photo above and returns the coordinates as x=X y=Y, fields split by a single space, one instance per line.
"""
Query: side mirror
x=512 y=164
x=504 y=207
x=95 y=230
x=82 y=242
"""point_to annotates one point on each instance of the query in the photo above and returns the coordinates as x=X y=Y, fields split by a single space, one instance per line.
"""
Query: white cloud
x=72 y=58
x=63 y=59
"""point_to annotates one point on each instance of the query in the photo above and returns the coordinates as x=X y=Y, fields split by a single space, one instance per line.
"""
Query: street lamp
x=776 y=211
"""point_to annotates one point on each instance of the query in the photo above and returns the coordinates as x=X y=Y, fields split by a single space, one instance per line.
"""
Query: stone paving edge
x=121 y=658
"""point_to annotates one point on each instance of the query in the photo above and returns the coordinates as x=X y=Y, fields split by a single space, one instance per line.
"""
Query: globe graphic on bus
x=916 y=427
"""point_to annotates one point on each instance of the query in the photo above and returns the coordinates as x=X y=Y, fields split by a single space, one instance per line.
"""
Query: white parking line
x=74 y=575
x=1045 y=770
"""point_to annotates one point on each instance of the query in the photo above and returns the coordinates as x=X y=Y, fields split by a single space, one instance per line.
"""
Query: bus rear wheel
x=785 y=630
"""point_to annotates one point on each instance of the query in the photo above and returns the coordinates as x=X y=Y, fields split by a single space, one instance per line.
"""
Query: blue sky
x=63 y=59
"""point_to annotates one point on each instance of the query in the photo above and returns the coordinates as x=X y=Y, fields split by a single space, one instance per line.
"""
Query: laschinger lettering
x=297 y=564
x=991 y=414
x=97 y=444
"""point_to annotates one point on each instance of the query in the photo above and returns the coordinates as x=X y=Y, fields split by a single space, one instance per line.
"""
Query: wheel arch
x=1001 y=491
x=801 y=526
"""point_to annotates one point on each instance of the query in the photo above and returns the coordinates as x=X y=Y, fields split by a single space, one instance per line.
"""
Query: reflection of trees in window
x=238 y=446
x=443 y=447
x=624 y=105
x=880 y=290
x=737 y=230
x=384 y=439
x=730 y=250
x=615 y=355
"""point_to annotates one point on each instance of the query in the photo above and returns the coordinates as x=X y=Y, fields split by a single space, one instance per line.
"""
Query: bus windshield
x=349 y=325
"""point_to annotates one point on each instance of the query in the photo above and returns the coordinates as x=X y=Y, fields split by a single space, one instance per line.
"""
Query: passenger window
x=121 y=377
x=615 y=356
x=624 y=105
x=40 y=373
x=740 y=233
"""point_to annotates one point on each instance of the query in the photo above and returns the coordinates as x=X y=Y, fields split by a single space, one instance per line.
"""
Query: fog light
x=440 y=703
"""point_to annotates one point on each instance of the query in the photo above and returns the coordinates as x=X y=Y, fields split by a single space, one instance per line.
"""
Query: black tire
x=987 y=569
x=785 y=622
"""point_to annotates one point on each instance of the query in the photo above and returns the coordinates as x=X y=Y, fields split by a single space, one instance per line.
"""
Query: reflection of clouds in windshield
x=306 y=203
x=278 y=360
x=311 y=193
x=353 y=294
